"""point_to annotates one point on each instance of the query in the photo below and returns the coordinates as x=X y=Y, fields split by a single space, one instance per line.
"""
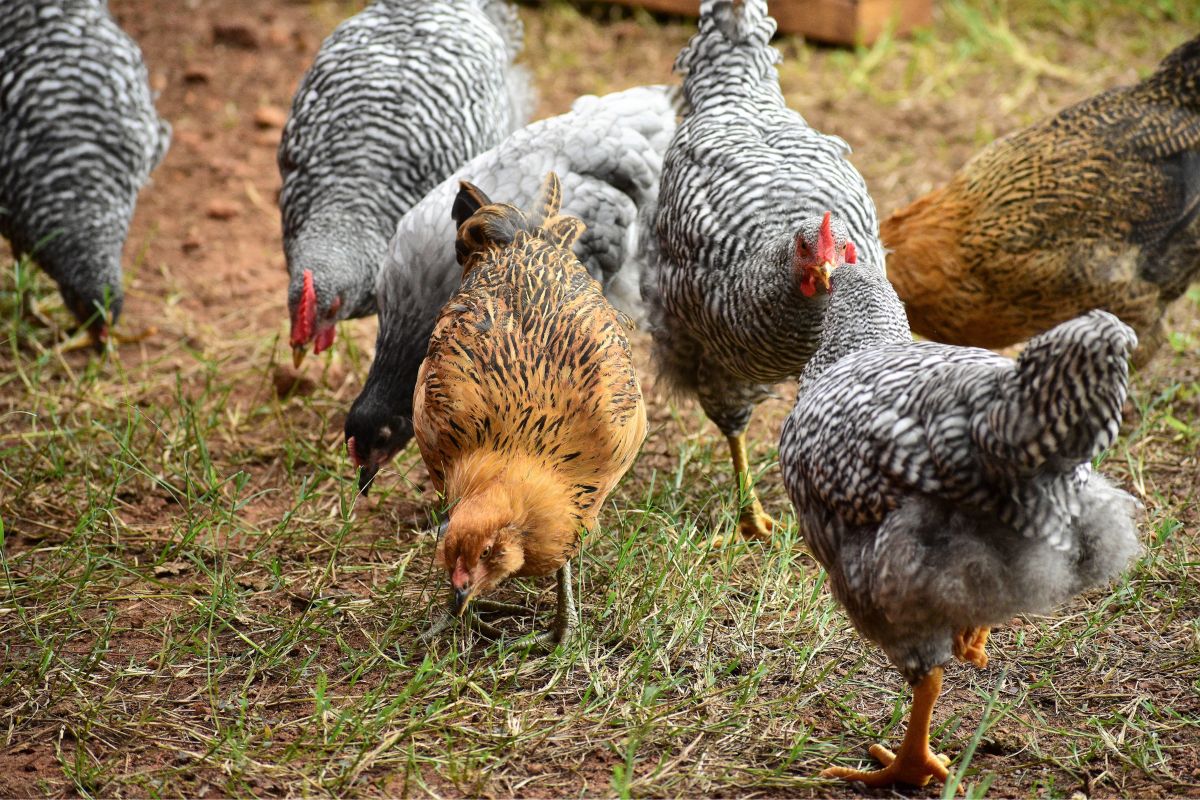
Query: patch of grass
x=193 y=599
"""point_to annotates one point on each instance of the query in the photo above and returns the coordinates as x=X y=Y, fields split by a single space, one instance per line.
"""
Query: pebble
x=270 y=117
x=222 y=210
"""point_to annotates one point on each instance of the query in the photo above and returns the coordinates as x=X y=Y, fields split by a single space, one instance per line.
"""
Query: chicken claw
x=969 y=646
x=914 y=763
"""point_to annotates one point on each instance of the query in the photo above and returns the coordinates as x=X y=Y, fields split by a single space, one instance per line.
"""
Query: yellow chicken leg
x=753 y=522
x=914 y=763
x=969 y=646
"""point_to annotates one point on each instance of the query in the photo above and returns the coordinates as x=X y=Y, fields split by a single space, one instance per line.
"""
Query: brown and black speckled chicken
x=1097 y=207
x=527 y=409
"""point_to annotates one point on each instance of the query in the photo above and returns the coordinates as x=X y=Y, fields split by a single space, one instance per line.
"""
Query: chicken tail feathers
x=1062 y=404
x=731 y=48
x=1177 y=79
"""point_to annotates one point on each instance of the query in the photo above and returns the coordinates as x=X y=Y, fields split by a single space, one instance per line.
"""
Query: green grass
x=192 y=598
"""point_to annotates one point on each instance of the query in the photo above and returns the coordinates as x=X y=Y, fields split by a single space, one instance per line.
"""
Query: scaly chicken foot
x=566 y=615
x=914 y=763
x=753 y=522
x=449 y=620
x=84 y=339
x=970 y=646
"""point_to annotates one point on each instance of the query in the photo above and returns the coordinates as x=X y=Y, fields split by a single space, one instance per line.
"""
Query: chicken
x=736 y=287
x=608 y=152
x=399 y=96
x=527 y=409
x=945 y=489
x=79 y=137
x=1097 y=207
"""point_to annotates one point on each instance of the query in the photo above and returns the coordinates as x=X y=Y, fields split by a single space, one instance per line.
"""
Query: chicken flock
x=944 y=488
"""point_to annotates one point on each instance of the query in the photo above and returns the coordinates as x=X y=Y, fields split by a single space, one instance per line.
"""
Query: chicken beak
x=366 y=474
x=298 y=353
x=462 y=597
x=824 y=274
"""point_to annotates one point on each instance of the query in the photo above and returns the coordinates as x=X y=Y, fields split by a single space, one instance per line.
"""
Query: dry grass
x=193 y=601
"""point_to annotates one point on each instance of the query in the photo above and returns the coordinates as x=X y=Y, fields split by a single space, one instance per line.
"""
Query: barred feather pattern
x=79 y=137
x=947 y=487
x=741 y=174
x=1095 y=207
x=398 y=97
x=608 y=153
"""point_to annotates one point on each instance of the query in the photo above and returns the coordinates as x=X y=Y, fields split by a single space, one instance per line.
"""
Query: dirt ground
x=207 y=271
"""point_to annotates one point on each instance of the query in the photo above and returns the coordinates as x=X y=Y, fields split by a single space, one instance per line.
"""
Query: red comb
x=825 y=238
x=305 y=320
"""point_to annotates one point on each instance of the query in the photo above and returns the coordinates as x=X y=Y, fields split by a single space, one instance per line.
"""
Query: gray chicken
x=79 y=137
x=946 y=489
x=736 y=290
x=608 y=153
x=399 y=96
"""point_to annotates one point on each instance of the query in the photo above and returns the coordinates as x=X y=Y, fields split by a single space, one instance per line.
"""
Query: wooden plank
x=838 y=21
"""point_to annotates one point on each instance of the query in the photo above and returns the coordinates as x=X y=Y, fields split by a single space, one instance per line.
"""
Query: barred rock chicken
x=946 y=489
x=399 y=96
x=738 y=287
x=1097 y=207
x=79 y=137
x=527 y=409
x=608 y=151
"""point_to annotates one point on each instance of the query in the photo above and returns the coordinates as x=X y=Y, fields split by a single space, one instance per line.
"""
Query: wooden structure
x=839 y=21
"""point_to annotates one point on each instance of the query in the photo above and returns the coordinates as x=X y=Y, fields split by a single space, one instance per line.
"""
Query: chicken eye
x=487 y=551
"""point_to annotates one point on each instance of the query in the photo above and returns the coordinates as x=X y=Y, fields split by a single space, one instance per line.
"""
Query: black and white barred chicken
x=399 y=96
x=946 y=488
x=738 y=286
x=79 y=137
x=608 y=154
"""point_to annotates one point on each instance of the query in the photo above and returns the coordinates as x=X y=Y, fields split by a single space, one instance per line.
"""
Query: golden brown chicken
x=1096 y=207
x=527 y=409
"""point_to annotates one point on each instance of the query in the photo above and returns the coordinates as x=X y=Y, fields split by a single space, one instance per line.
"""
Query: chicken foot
x=753 y=522
x=566 y=616
x=969 y=646
x=914 y=763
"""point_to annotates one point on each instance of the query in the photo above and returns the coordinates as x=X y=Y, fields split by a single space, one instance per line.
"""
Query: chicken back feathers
x=742 y=172
x=79 y=137
x=529 y=383
x=608 y=151
x=428 y=85
x=1096 y=207
x=947 y=488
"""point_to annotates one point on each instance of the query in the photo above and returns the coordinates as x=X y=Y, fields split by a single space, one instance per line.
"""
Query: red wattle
x=304 y=322
x=354 y=459
x=324 y=339
x=851 y=253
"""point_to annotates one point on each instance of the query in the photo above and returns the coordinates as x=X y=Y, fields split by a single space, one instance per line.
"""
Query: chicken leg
x=753 y=522
x=914 y=763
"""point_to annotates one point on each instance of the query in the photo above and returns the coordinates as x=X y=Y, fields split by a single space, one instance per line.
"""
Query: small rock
x=187 y=137
x=279 y=36
x=222 y=209
x=192 y=242
x=237 y=33
x=269 y=139
x=197 y=73
x=270 y=117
